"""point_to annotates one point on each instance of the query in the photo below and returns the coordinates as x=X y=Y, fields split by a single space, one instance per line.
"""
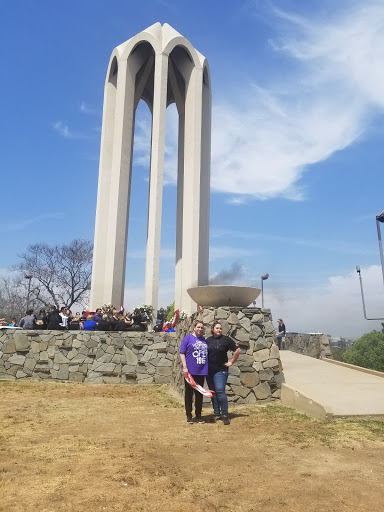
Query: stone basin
x=223 y=295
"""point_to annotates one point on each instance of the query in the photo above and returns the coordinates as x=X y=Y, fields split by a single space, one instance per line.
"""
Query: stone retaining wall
x=146 y=358
x=313 y=345
x=256 y=377
x=110 y=357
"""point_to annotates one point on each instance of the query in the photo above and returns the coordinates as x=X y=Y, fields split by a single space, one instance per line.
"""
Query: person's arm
x=235 y=357
x=184 y=363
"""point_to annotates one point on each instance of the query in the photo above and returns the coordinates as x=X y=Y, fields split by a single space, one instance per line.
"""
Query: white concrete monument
x=161 y=67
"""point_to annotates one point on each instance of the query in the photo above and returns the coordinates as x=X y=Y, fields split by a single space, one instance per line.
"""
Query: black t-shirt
x=281 y=328
x=217 y=353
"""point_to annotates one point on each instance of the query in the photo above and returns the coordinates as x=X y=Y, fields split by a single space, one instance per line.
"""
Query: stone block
x=233 y=319
x=106 y=358
x=76 y=377
x=51 y=352
x=43 y=345
x=111 y=379
x=266 y=374
x=17 y=359
x=29 y=364
x=256 y=332
x=262 y=391
x=269 y=329
x=245 y=323
x=43 y=356
x=60 y=358
x=9 y=347
x=21 y=342
x=250 y=380
x=130 y=357
x=160 y=379
x=261 y=343
x=208 y=316
x=76 y=343
x=91 y=343
x=20 y=374
x=160 y=347
x=241 y=336
x=251 y=347
x=117 y=342
x=63 y=372
x=73 y=368
x=164 y=362
x=241 y=390
x=164 y=370
x=128 y=369
x=233 y=379
x=274 y=352
x=151 y=370
x=271 y=363
x=234 y=370
x=261 y=355
x=105 y=368
x=222 y=313
x=257 y=318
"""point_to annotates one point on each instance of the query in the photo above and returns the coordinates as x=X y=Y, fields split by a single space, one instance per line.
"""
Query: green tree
x=368 y=352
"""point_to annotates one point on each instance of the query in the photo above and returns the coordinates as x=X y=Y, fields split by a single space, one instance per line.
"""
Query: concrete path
x=322 y=389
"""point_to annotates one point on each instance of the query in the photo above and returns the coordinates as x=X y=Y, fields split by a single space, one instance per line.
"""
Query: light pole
x=28 y=276
x=263 y=278
x=380 y=218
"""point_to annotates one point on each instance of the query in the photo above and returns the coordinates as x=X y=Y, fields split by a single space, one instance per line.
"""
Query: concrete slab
x=324 y=390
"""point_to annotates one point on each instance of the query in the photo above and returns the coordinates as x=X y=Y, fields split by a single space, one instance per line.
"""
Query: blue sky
x=297 y=143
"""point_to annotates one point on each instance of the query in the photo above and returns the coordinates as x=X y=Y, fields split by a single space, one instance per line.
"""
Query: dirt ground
x=76 y=447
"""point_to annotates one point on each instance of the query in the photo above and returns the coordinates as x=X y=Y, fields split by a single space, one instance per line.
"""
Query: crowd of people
x=64 y=319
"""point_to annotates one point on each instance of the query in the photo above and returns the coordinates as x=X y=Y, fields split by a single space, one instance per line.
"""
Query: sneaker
x=190 y=420
x=200 y=420
x=226 y=420
x=216 y=417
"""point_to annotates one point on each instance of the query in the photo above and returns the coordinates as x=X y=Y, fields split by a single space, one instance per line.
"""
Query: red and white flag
x=191 y=381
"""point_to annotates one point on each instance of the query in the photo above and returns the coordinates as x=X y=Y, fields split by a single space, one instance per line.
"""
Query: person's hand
x=185 y=369
x=229 y=363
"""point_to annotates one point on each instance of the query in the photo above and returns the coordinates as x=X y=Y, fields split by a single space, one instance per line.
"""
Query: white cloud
x=334 y=307
x=263 y=149
x=64 y=131
x=20 y=225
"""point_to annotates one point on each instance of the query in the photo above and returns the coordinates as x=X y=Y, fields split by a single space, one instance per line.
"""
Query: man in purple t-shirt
x=194 y=358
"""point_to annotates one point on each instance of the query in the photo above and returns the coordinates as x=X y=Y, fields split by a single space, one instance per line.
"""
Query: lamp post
x=380 y=218
x=263 y=278
x=28 y=276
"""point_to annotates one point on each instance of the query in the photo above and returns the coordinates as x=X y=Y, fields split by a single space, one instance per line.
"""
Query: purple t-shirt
x=196 y=354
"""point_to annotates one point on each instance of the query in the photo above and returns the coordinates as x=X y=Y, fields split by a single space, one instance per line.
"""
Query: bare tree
x=62 y=271
x=13 y=297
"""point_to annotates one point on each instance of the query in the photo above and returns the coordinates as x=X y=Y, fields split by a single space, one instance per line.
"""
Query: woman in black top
x=218 y=364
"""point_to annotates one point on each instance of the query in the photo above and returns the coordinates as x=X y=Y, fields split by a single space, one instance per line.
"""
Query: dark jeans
x=199 y=379
x=216 y=383
x=279 y=338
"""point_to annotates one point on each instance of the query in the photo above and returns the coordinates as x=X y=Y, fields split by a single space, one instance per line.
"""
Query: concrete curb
x=291 y=397
x=353 y=367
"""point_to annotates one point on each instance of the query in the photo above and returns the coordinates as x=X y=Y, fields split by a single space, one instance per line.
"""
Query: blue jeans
x=216 y=383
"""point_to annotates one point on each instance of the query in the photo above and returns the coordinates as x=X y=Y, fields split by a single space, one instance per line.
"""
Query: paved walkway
x=321 y=389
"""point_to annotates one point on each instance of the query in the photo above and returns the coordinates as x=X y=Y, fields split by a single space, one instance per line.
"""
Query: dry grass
x=77 y=447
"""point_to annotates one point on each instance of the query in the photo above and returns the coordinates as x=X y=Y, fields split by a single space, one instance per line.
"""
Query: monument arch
x=160 y=67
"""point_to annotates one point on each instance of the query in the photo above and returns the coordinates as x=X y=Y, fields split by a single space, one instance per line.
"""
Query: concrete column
x=156 y=180
x=196 y=212
x=103 y=190
x=179 y=214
